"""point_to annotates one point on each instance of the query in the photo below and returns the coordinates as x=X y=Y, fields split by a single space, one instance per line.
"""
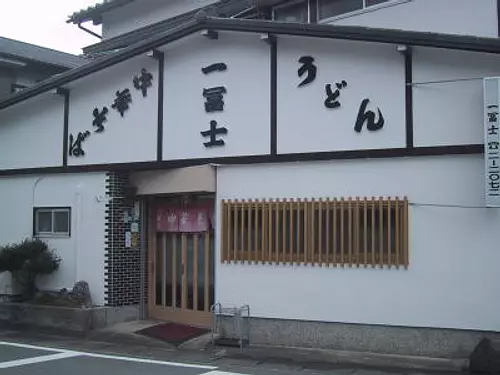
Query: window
x=52 y=221
x=295 y=12
x=299 y=10
x=16 y=87
x=369 y=3
x=341 y=232
x=332 y=8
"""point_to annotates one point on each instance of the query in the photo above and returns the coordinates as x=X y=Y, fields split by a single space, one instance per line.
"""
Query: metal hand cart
x=239 y=329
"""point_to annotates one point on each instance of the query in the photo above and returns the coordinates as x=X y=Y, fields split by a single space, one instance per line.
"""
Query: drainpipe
x=88 y=31
x=76 y=231
x=143 y=220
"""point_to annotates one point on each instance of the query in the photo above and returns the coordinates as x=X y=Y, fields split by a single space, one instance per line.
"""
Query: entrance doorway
x=181 y=277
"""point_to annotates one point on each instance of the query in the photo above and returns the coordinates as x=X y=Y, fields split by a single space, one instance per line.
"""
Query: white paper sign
x=137 y=210
x=128 y=239
x=134 y=227
x=492 y=141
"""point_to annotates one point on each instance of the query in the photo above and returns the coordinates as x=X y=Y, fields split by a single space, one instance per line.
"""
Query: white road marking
x=26 y=346
x=72 y=353
x=33 y=360
x=148 y=361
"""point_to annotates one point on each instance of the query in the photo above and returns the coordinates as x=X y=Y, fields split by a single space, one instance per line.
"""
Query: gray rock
x=81 y=294
x=484 y=359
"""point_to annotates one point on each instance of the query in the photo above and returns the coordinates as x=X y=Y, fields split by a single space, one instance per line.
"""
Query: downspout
x=88 y=31
x=77 y=220
x=143 y=220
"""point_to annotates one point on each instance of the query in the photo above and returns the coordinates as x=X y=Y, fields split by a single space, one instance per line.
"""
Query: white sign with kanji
x=492 y=141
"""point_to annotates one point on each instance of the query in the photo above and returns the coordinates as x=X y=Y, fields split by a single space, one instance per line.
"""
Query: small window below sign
x=16 y=87
x=334 y=8
x=52 y=222
x=297 y=11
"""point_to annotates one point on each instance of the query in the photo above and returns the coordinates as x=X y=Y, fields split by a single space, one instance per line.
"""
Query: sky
x=43 y=22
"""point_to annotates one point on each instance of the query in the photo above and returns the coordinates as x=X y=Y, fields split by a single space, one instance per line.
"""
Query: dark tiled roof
x=356 y=33
x=225 y=8
x=93 y=13
x=31 y=52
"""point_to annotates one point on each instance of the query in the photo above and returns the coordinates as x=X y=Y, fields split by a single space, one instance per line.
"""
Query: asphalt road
x=22 y=359
x=33 y=354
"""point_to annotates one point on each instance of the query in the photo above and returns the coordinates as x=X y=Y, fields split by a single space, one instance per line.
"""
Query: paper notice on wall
x=134 y=227
x=126 y=216
x=137 y=210
x=128 y=240
x=135 y=240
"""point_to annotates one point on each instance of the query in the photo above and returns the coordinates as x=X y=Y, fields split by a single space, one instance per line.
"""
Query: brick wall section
x=122 y=265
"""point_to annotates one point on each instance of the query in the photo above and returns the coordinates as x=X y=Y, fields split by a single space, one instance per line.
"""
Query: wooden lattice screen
x=342 y=232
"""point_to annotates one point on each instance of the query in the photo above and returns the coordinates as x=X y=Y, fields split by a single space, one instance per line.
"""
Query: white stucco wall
x=371 y=71
x=133 y=136
x=32 y=130
x=82 y=253
x=246 y=101
x=444 y=113
x=470 y=17
x=448 y=96
x=145 y=12
x=452 y=281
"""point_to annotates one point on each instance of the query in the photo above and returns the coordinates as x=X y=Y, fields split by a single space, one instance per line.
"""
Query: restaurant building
x=339 y=176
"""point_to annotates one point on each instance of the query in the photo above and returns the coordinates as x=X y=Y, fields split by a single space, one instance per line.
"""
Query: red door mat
x=173 y=333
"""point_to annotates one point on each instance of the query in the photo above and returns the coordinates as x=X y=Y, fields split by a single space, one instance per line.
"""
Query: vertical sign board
x=492 y=141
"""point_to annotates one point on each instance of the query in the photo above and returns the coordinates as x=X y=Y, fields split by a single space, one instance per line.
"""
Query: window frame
x=365 y=9
x=292 y=3
x=16 y=87
x=52 y=210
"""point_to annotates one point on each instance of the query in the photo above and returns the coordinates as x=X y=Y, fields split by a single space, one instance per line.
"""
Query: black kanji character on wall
x=492 y=114
x=75 y=145
x=493 y=145
x=213 y=132
x=99 y=119
x=493 y=129
x=122 y=100
x=217 y=67
x=214 y=98
x=492 y=119
x=144 y=81
x=309 y=68
x=494 y=183
x=369 y=118
x=332 y=97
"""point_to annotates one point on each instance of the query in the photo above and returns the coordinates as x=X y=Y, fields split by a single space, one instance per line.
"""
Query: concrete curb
x=338 y=358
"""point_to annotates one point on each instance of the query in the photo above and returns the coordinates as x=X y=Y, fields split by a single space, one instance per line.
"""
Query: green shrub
x=26 y=261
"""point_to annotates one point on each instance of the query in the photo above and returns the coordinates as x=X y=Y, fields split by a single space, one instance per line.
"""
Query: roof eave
x=94 y=13
x=413 y=38
x=221 y=8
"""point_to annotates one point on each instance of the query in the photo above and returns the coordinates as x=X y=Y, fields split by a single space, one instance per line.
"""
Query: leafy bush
x=26 y=261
